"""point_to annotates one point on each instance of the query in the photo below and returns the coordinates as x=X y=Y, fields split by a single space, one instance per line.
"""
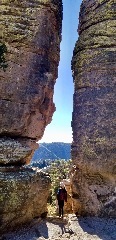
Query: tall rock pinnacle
x=93 y=124
x=30 y=35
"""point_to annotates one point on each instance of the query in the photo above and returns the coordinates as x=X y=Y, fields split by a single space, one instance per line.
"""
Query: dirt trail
x=70 y=228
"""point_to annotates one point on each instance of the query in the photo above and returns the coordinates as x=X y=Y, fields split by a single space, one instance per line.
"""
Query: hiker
x=61 y=197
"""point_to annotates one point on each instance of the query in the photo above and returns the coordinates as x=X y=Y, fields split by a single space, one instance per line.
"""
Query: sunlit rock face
x=93 y=124
x=31 y=32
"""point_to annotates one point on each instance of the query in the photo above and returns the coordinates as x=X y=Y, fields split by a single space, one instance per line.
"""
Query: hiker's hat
x=62 y=184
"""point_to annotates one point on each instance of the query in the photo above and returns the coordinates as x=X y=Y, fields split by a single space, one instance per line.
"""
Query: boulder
x=23 y=196
x=31 y=32
x=15 y=151
x=93 y=124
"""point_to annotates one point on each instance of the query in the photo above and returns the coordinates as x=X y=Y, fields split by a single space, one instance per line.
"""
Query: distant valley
x=52 y=151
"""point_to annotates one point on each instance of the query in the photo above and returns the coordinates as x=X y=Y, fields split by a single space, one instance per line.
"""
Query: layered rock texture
x=93 y=147
x=31 y=33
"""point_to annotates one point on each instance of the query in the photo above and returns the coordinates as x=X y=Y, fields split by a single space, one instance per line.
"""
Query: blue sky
x=59 y=130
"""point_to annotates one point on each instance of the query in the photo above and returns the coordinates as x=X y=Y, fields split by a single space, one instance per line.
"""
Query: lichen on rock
x=24 y=196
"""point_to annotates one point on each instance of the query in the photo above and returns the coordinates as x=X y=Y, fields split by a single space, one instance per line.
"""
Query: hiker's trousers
x=61 y=205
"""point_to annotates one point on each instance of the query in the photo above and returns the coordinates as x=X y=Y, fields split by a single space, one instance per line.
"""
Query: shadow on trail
x=104 y=228
x=38 y=228
x=42 y=229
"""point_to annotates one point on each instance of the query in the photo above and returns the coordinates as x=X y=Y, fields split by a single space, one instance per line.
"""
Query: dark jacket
x=62 y=194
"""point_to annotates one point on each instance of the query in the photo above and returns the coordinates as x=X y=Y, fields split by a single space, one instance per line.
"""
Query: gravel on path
x=70 y=228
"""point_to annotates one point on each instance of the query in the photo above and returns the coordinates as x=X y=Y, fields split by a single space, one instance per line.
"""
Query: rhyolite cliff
x=93 y=124
x=31 y=33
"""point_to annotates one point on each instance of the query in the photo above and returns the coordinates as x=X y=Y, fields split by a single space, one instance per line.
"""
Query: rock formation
x=24 y=196
x=93 y=124
x=31 y=33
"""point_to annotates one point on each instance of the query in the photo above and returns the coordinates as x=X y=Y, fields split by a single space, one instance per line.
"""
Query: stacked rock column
x=31 y=33
x=93 y=123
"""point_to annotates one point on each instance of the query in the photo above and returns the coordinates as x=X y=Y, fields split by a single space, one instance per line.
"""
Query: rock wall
x=93 y=124
x=31 y=33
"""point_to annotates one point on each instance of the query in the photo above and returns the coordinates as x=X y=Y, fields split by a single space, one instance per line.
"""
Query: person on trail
x=61 y=197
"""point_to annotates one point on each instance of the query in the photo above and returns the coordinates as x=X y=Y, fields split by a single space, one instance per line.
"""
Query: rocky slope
x=31 y=32
x=93 y=147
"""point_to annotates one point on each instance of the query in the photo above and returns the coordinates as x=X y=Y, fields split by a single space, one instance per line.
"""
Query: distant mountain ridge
x=52 y=151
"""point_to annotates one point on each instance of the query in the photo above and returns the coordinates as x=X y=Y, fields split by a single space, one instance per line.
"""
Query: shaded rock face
x=93 y=151
x=24 y=196
x=31 y=33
